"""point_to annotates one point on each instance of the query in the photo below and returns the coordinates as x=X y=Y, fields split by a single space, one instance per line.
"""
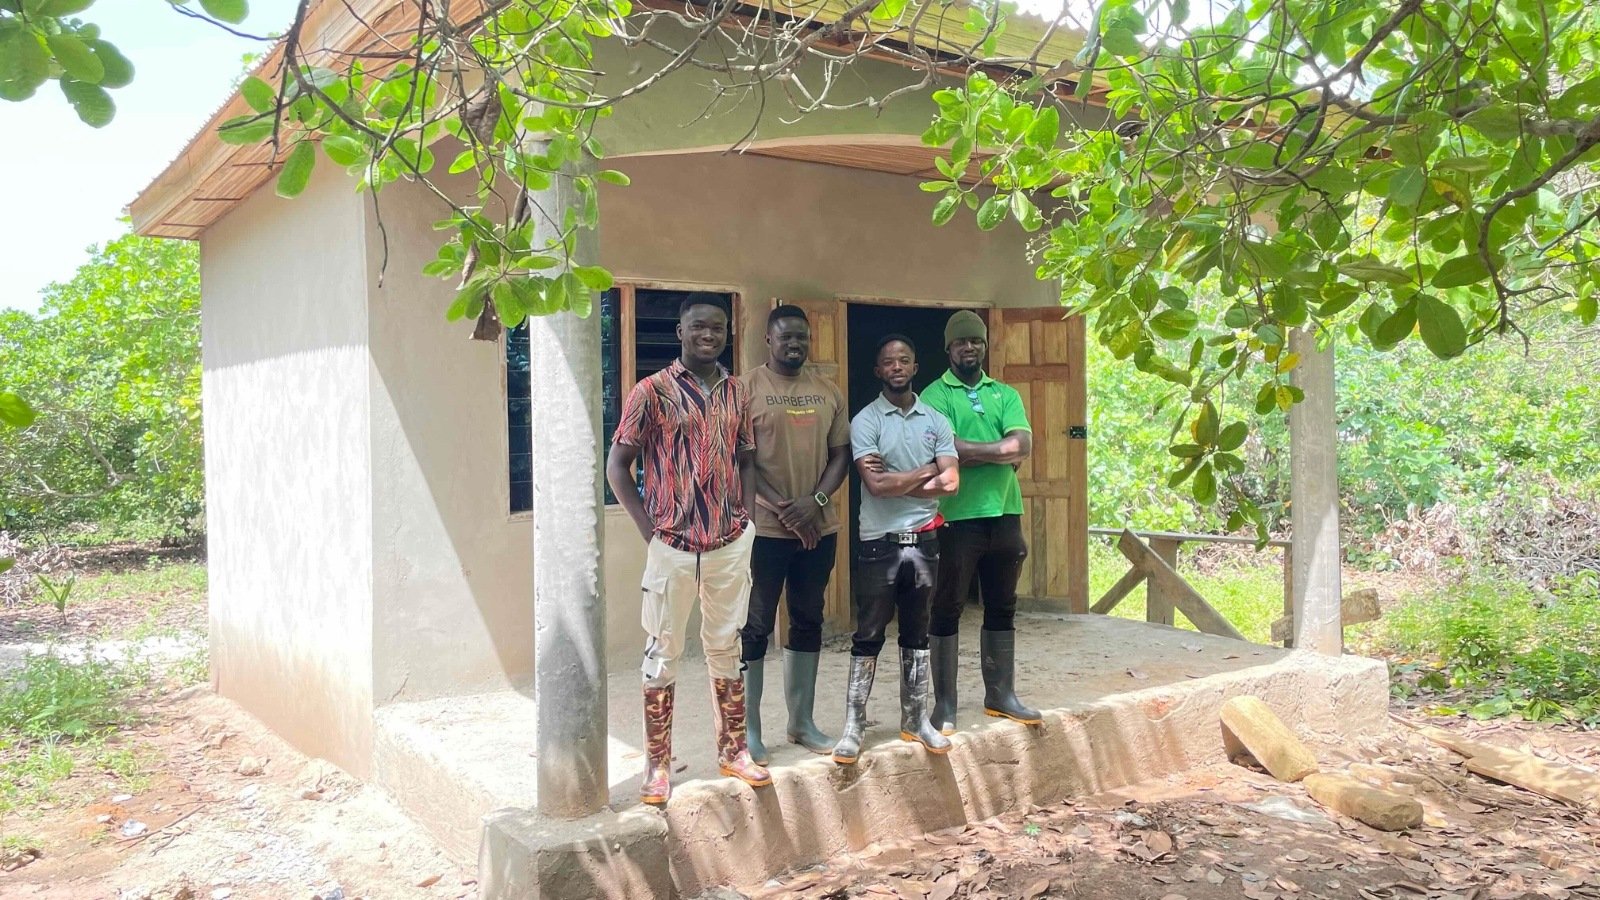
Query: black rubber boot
x=944 y=651
x=999 y=679
x=800 y=693
x=916 y=699
x=859 y=688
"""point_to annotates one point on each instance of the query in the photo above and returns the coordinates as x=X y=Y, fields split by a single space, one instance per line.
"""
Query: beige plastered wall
x=284 y=337
x=362 y=548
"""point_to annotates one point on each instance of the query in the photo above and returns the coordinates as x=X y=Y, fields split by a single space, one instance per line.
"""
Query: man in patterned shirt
x=687 y=425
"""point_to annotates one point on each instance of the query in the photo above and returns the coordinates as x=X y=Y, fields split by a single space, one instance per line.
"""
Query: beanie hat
x=965 y=324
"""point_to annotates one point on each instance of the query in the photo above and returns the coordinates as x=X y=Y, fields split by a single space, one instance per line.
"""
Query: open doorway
x=866 y=324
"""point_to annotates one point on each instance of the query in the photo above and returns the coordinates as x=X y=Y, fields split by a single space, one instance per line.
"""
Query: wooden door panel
x=1041 y=354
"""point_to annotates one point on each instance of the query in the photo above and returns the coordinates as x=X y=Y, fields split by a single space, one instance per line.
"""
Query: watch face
x=821 y=498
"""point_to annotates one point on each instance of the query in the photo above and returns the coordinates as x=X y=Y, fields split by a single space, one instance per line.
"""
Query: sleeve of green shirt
x=1013 y=417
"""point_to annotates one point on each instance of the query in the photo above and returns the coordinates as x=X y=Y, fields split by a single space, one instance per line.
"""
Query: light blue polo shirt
x=906 y=440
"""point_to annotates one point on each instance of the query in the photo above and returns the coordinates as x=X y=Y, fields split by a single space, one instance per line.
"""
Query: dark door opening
x=866 y=324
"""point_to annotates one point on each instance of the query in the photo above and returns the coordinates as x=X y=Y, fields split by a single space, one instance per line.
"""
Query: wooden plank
x=1354 y=608
x=1042 y=550
x=1158 y=605
x=1188 y=601
x=1058 y=565
x=1054 y=344
x=1124 y=586
x=1034 y=374
x=1077 y=450
x=1054 y=435
x=1186 y=537
x=629 y=336
x=1545 y=778
x=1036 y=314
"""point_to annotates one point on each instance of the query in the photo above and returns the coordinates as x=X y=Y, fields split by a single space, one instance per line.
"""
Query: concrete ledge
x=617 y=856
x=1126 y=701
x=722 y=832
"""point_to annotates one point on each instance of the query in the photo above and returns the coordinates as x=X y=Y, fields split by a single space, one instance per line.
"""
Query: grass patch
x=1249 y=595
x=157 y=579
x=1490 y=646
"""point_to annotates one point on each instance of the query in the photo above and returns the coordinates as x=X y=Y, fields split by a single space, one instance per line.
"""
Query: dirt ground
x=230 y=811
x=1227 y=832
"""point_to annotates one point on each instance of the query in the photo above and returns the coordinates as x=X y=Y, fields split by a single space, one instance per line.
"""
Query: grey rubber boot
x=999 y=679
x=800 y=693
x=916 y=699
x=859 y=688
x=944 y=652
x=755 y=676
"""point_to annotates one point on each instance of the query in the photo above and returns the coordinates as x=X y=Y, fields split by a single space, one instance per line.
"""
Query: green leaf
x=231 y=11
x=1397 y=327
x=1460 y=271
x=1205 y=424
x=6 y=564
x=1205 y=486
x=1232 y=437
x=1441 y=327
x=57 y=7
x=946 y=208
x=90 y=101
x=993 y=211
x=75 y=58
x=296 y=171
x=1587 y=309
x=1121 y=41
x=24 y=64
x=15 y=412
x=594 y=277
x=1186 y=451
x=1026 y=214
x=118 y=70
x=1174 y=324
x=1045 y=129
x=344 y=150
x=252 y=129
x=612 y=176
x=260 y=95
x=1371 y=269
x=1407 y=185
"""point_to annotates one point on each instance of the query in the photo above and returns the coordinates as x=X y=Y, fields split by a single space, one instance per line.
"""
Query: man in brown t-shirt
x=802 y=435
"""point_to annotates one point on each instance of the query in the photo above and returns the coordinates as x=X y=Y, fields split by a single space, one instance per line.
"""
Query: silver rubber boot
x=916 y=699
x=862 y=668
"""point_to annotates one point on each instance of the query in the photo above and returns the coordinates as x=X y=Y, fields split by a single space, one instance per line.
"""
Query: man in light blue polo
x=906 y=454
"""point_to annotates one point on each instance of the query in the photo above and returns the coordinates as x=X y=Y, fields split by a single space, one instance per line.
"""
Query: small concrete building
x=367 y=465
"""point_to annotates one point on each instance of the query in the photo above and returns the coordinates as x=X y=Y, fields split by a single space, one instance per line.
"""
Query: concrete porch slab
x=1127 y=701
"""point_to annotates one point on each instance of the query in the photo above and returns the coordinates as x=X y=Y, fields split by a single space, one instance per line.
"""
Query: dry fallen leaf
x=1215 y=877
x=1135 y=673
x=945 y=888
x=1193 y=873
x=1297 y=855
x=1036 y=889
x=1159 y=842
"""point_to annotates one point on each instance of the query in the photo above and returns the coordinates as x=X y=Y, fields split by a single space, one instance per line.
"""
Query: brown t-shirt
x=795 y=421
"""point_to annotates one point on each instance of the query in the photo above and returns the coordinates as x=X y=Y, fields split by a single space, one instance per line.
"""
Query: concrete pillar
x=568 y=516
x=1314 y=496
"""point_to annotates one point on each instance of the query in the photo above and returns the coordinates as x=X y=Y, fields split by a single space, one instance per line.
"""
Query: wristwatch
x=821 y=498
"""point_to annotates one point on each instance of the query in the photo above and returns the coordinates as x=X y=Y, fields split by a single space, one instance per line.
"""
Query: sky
x=64 y=185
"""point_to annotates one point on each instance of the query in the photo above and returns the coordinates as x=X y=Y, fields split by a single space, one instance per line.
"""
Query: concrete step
x=1126 y=701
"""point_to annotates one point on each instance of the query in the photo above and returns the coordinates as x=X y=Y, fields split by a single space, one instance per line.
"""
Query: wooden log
x=1185 y=598
x=1356 y=607
x=1383 y=810
x=1118 y=591
x=1258 y=730
x=1524 y=770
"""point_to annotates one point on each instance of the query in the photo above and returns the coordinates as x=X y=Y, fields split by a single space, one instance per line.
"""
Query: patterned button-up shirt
x=689 y=441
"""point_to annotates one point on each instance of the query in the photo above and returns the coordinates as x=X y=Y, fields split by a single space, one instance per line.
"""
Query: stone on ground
x=1258 y=730
x=1383 y=810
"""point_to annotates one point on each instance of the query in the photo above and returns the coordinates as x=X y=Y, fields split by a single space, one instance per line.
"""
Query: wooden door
x=1041 y=354
x=827 y=319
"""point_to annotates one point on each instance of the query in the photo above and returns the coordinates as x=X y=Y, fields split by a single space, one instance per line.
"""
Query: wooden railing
x=1153 y=558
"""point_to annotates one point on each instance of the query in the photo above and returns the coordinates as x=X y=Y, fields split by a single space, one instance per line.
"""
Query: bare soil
x=300 y=828
x=1220 y=833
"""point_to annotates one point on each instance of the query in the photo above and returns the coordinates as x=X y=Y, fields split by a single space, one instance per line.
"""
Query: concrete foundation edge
x=616 y=856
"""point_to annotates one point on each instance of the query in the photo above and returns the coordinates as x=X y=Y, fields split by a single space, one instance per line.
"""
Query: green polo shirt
x=995 y=411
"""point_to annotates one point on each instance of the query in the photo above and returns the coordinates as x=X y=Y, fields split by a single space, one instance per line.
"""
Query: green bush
x=52 y=699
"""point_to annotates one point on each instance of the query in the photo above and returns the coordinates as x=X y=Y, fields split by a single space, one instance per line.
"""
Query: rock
x=122 y=798
x=133 y=828
x=334 y=892
x=251 y=765
x=310 y=794
x=1381 y=809
x=1256 y=728
x=222 y=893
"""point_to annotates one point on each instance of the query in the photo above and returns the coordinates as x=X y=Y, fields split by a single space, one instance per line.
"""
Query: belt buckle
x=907 y=538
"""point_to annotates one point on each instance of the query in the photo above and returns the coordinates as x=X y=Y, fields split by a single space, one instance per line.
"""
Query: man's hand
x=872 y=462
x=809 y=534
x=792 y=514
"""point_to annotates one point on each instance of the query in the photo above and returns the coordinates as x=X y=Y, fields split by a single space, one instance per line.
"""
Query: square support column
x=1314 y=499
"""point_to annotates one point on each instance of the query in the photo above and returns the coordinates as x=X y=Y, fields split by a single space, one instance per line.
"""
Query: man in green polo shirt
x=982 y=532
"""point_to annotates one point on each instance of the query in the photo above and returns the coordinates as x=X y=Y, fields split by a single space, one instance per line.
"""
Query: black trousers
x=777 y=563
x=889 y=578
x=992 y=549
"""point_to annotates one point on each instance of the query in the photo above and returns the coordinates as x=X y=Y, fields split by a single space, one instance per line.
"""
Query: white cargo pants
x=673 y=580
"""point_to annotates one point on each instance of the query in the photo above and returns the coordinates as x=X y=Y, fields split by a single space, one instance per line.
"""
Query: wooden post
x=1158 y=603
x=1314 y=499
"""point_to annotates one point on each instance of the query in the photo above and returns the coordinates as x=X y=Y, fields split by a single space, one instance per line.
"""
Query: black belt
x=911 y=538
